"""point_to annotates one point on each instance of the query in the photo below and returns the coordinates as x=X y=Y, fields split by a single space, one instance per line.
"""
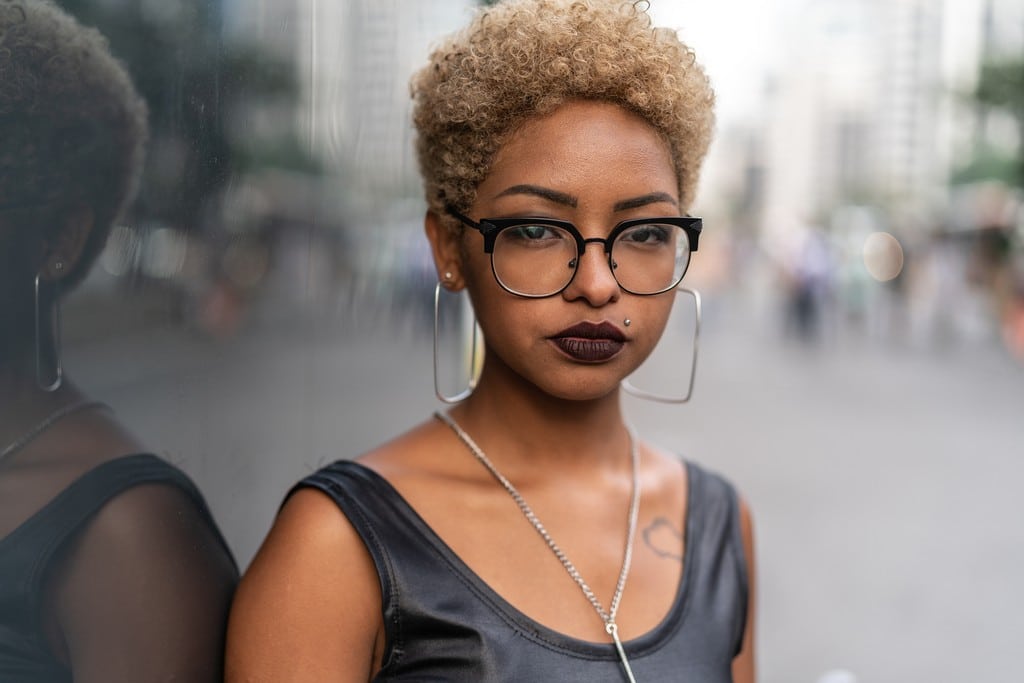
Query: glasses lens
x=650 y=258
x=534 y=259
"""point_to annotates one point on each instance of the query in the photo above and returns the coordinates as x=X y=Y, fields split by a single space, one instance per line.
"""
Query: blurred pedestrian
x=528 y=534
x=111 y=567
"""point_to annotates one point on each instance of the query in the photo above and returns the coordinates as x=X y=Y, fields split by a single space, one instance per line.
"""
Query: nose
x=594 y=281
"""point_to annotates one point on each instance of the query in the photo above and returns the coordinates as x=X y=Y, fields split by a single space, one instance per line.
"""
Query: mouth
x=590 y=342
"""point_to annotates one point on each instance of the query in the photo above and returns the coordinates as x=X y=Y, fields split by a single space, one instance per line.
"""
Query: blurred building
x=854 y=115
x=355 y=59
x=872 y=106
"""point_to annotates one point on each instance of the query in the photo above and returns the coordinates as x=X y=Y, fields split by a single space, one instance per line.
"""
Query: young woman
x=529 y=534
x=111 y=568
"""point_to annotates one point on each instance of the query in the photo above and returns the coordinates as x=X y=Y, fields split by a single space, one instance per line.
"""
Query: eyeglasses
x=539 y=257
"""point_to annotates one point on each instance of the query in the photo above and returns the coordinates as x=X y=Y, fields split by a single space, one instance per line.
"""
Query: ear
x=447 y=252
x=64 y=248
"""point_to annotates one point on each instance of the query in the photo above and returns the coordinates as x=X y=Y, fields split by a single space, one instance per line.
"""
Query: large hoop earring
x=58 y=367
x=663 y=398
x=473 y=369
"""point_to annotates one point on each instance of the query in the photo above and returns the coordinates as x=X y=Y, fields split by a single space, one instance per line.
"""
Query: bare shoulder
x=418 y=455
x=309 y=606
x=663 y=474
x=149 y=556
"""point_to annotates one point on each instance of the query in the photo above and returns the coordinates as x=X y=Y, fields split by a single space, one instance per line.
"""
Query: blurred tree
x=1000 y=87
x=195 y=84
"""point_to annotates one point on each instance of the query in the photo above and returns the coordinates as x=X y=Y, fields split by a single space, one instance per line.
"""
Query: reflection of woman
x=526 y=535
x=111 y=568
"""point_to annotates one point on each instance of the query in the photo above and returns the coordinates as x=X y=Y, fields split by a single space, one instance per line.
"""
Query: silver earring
x=58 y=367
x=465 y=393
x=663 y=398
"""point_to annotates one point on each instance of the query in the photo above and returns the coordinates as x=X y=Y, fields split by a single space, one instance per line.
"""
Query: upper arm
x=143 y=593
x=309 y=606
x=744 y=668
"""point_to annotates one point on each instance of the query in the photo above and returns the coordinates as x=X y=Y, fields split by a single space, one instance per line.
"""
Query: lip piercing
x=627 y=322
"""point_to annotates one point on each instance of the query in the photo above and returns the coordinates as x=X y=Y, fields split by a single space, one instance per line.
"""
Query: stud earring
x=628 y=386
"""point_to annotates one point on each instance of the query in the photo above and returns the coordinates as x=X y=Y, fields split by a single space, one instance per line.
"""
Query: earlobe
x=445 y=248
x=65 y=249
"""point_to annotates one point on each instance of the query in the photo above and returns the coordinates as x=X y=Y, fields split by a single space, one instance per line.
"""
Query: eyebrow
x=542 y=192
x=652 y=198
x=568 y=200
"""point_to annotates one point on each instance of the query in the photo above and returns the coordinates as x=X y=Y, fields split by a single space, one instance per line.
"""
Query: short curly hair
x=523 y=58
x=74 y=127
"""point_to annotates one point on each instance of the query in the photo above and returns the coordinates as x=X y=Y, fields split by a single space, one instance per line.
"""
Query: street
x=883 y=477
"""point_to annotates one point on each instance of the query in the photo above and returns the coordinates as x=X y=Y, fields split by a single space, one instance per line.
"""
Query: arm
x=143 y=593
x=743 y=667
x=309 y=607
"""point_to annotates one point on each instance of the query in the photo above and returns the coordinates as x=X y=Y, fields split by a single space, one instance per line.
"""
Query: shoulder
x=150 y=555
x=151 y=526
x=722 y=510
x=714 y=490
x=309 y=606
x=138 y=506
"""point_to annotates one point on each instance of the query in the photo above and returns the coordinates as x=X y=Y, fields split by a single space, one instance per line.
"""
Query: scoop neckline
x=546 y=636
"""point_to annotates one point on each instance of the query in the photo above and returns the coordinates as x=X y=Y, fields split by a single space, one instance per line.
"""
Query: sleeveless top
x=27 y=552
x=444 y=623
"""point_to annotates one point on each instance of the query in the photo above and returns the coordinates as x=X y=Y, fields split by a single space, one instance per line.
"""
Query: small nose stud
x=627 y=322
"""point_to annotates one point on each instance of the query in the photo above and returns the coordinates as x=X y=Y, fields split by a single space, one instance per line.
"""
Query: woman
x=111 y=568
x=528 y=535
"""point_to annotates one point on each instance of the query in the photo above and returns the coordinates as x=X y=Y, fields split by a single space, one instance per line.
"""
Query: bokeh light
x=883 y=256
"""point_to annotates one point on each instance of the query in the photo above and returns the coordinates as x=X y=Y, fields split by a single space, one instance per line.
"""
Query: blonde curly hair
x=524 y=58
x=74 y=127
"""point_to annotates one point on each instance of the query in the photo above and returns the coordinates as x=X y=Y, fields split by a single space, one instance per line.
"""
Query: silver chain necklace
x=634 y=508
x=46 y=423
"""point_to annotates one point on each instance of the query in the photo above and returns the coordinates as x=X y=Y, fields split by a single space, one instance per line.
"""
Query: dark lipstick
x=590 y=342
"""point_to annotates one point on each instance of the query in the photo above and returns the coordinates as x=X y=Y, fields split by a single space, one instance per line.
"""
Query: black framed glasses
x=539 y=257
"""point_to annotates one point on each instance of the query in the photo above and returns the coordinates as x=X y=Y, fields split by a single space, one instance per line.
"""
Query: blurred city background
x=265 y=307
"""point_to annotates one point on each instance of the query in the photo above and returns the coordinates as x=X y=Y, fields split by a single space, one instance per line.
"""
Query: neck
x=516 y=422
x=22 y=402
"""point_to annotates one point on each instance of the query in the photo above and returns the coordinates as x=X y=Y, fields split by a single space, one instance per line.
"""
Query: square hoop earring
x=474 y=369
x=54 y=384
x=628 y=386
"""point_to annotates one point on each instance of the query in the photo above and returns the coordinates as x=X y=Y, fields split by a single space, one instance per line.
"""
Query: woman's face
x=593 y=165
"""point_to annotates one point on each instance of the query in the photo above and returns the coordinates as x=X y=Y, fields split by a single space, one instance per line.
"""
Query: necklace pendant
x=613 y=630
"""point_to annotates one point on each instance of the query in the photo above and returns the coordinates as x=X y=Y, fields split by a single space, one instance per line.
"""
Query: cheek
x=652 y=314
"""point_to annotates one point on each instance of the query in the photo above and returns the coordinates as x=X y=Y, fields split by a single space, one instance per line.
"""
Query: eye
x=533 y=233
x=651 y=234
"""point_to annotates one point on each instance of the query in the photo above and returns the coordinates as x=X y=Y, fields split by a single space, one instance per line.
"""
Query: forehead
x=585 y=147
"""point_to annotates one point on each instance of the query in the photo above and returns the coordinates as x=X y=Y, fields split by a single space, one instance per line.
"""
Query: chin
x=580 y=391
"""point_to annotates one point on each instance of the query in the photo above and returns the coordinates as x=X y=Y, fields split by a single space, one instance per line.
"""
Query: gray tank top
x=443 y=623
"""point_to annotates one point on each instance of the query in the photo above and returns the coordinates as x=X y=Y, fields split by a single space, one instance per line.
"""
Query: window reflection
x=111 y=565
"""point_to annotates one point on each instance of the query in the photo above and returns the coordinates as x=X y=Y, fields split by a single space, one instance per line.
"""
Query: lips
x=590 y=342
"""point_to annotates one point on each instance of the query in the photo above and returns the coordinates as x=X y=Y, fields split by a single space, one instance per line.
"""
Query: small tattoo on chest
x=664 y=539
